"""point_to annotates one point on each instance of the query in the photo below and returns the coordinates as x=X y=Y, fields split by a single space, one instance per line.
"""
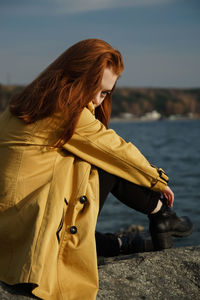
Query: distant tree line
x=137 y=101
x=6 y=92
x=167 y=102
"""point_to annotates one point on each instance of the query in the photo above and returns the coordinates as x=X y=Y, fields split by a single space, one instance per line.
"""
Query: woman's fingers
x=169 y=195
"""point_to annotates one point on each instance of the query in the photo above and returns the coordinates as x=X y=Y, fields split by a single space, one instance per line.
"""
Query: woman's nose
x=97 y=99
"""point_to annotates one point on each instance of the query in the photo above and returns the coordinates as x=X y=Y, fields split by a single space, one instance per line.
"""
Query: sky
x=159 y=39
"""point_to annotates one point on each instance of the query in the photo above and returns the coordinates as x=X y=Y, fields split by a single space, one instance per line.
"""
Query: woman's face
x=108 y=81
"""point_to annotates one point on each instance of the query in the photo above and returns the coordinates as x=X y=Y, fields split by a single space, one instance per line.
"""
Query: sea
x=175 y=147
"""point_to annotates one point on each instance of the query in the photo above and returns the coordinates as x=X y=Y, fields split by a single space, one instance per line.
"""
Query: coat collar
x=91 y=107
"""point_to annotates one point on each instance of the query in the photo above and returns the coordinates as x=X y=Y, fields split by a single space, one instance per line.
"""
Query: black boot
x=135 y=243
x=164 y=224
x=108 y=244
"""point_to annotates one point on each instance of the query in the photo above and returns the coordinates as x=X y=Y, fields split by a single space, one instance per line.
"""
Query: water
x=175 y=147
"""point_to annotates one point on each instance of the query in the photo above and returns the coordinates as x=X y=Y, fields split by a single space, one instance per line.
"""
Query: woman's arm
x=103 y=148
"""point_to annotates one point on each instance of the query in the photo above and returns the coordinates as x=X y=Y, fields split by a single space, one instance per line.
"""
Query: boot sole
x=164 y=240
x=182 y=234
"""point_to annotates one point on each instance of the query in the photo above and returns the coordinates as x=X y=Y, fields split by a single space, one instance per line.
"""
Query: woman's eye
x=104 y=94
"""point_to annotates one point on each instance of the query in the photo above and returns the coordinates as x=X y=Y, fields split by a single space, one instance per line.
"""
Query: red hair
x=68 y=85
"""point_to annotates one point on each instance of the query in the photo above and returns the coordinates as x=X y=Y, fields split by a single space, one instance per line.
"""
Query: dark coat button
x=73 y=229
x=66 y=202
x=83 y=199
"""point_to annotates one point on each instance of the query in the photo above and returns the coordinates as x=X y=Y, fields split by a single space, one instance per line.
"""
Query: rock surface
x=169 y=274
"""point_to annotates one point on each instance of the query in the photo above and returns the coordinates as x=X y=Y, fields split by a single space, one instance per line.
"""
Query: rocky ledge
x=168 y=274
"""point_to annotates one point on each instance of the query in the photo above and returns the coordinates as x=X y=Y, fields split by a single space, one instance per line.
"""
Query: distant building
x=151 y=116
x=126 y=115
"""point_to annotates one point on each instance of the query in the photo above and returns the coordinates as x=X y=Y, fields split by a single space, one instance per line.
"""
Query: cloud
x=57 y=7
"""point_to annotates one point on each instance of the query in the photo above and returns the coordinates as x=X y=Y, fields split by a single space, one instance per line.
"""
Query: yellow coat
x=47 y=229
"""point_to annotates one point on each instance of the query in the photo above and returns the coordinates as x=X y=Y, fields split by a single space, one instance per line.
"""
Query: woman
x=58 y=163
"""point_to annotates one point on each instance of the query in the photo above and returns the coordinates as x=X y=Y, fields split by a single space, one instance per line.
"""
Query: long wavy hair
x=68 y=85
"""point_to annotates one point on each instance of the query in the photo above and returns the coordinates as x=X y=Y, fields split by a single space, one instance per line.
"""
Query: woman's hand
x=169 y=195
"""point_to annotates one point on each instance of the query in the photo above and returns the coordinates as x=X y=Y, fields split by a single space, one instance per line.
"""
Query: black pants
x=136 y=197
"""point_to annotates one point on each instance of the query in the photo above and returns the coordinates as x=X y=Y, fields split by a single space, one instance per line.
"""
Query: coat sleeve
x=105 y=149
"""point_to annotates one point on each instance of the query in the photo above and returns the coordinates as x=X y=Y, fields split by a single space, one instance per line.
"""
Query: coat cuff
x=161 y=181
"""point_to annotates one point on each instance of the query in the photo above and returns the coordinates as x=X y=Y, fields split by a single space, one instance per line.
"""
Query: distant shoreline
x=139 y=120
x=139 y=104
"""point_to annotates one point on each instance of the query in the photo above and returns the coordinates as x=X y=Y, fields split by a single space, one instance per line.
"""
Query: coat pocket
x=60 y=227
